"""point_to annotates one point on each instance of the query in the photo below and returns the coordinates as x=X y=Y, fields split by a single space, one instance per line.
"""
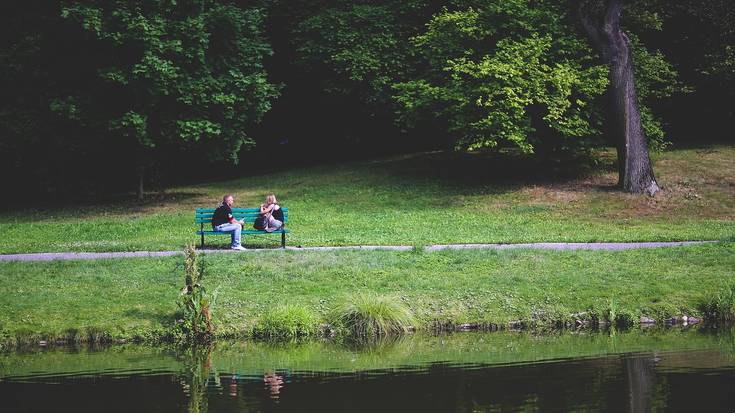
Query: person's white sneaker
x=239 y=248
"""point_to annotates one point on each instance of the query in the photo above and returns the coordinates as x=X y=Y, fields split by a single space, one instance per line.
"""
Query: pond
x=635 y=371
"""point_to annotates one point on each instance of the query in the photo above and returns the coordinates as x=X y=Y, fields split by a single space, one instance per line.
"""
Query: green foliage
x=173 y=73
x=505 y=74
x=719 y=307
x=194 y=304
x=290 y=321
x=360 y=48
x=364 y=316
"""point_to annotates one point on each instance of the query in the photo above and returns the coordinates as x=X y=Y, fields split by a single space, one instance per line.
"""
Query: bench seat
x=203 y=217
x=245 y=231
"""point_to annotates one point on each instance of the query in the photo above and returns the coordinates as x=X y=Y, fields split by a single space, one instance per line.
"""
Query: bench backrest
x=204 y=215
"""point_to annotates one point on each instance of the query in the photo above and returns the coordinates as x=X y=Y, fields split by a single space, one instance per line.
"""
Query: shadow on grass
x=501 y=171
x=123 y=203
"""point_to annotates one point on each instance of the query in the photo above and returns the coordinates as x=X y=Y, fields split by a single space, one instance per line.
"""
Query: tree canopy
x=167 y=83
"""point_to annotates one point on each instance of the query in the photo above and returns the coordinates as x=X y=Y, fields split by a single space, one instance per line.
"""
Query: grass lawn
x=129 y=297
x=417 y=199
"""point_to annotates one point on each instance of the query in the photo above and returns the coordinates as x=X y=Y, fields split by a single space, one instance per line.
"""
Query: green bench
x=203 y=217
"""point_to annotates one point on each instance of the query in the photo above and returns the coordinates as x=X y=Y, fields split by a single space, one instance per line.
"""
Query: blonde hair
x=270 y=199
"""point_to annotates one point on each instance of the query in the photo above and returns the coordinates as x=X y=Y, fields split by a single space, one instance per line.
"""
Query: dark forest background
x=109 y=97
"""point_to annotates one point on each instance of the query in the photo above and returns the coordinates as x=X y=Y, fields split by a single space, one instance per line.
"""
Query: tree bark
x=635 y=173
x=141 y=177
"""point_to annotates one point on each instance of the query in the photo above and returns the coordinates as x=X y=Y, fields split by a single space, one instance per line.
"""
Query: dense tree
x=144 y=80
x=118 y=86
x=173 y=71
x=490 y=73
x=505 y=73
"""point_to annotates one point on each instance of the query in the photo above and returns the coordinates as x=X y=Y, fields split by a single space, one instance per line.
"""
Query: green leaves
x=133 y=125
x=497 y=70
x=193 y=130
x=364 y=46
x=175 y=73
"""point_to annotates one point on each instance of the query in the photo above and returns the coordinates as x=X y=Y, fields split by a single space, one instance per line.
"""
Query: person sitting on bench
x=270 y=211
x=224 y=221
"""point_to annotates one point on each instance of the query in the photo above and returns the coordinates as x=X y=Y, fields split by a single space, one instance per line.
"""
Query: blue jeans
x=234 y=229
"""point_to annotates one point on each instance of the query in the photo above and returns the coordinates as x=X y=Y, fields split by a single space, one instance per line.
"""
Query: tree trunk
x=635 y=173
x=141 y=177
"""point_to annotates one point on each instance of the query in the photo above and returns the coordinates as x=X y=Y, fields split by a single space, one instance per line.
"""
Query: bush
x=720 y=307
x=365 y=316
x=290 y=321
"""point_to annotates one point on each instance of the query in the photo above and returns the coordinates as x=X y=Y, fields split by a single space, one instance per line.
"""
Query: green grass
x=286 y=322
x=421 y=199
x=362 y=316
x=128 y=298
x=719 y=307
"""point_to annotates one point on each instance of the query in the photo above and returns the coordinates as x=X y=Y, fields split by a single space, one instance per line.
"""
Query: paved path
x=608 y=246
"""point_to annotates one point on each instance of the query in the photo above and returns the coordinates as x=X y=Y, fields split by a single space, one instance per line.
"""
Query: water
x=637 y=371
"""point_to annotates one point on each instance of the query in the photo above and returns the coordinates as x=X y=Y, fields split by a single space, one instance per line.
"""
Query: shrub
x=290 y=321
x=365 y=316
x=720 y=307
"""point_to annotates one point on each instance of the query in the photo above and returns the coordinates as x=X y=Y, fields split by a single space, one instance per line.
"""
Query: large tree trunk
x=635 y=173
x=141 y=178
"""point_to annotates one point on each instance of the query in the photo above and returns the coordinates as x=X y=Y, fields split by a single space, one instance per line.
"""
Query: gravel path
x=607 y=246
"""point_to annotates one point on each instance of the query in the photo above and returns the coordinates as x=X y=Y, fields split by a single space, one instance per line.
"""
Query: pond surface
x=637 y=371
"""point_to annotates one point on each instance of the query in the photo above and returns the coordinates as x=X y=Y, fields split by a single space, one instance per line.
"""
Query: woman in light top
x=270 y=211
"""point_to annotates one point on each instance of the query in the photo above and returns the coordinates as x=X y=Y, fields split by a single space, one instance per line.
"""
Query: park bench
x=203 y=217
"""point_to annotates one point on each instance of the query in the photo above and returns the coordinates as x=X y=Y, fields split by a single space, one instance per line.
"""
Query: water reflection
x=634 y=371
x=196 y=375
x=274 y=383
x=640 y=373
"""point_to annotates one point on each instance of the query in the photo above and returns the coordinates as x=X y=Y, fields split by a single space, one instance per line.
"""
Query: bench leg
x=202 y=241
x=283 y=240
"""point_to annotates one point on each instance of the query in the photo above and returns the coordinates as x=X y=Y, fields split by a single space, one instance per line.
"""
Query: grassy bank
x=125 y=298
x=429 y=198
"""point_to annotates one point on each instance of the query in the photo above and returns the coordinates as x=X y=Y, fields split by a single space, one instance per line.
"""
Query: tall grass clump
x=196 y=322
x=720 y=307
x=368 y=316
x=290 y=321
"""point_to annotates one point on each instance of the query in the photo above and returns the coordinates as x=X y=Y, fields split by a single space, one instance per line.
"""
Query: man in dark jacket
x=224 y=221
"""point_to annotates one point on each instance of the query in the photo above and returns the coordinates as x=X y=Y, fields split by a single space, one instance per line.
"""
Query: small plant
x=720 y=307
x=290 y=321
x=366 y=316
x=612 y=312
x=196 y=322
x=617 y=316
